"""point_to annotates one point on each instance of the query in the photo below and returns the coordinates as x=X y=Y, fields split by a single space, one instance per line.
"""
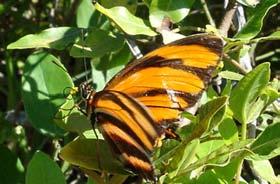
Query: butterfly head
x=86 y=90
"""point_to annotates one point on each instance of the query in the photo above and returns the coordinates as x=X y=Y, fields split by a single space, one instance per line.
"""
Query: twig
x=207 y=12
x=235 y=63
x=226 y=21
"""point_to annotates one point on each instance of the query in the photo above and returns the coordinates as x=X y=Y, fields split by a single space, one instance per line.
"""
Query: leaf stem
x=207 y=12
x=236 y=64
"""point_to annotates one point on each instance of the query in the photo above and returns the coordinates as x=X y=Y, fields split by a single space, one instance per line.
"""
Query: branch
x=226 y=21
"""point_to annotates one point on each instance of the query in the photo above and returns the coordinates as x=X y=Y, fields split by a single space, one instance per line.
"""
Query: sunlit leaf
x=54 y=38
x=255 y=22
x=97 y=44
x=267 y=144
x=126 y=21
x=43 y=85
x=89 y=154
x=247 y=90
x=176 y=10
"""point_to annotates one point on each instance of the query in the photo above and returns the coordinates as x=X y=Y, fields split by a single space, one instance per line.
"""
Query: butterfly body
x=139 y=105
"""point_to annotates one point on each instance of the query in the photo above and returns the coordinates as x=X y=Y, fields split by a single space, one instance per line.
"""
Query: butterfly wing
x=129 y=129
x=172 y=78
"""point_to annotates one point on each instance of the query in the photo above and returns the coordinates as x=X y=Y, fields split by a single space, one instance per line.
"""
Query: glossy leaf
x=217 y=157
x=43 y=85
x=54 y=38
x=264 y=170
x=266 y=145
x=126 y=21
x=247 y=91
x=11 y=169
x=176 y=10
x=183 y=158
x=267 y=96
x=131 y=5
x=85 y=14
x=231 y=75
x=255 y=22
x=41 y=169
x=219 y=175
x=207 y=114
x=228 y=131
x=273 y=36
x=72 y=119
x=250 y=3
x=89 y=154
x=97 y=44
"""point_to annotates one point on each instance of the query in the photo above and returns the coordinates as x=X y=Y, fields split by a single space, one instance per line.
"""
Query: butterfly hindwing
x=128 y=128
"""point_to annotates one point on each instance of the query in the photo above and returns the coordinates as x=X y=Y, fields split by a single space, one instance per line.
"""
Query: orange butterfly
x=139 y=105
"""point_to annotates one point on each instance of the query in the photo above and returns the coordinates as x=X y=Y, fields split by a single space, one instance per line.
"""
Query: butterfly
x=139 y=104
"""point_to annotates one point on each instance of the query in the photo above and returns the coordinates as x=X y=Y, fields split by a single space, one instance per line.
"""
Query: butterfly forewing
x=172 y=78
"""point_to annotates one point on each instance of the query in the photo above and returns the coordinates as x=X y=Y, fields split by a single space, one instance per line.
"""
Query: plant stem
x=226 y=21
x=207 y=12
x=11 y=82
x=235 y=63
x=243 y=137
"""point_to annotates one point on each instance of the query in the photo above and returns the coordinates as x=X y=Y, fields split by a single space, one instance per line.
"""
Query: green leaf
x=97 y=44
x=267 y=144
x=207 y=147
x=267 y=96
x=227 y=89
x=223 y=174
x=218 y=156
x=11 y=169
x=126 y=21
x=255 y=22
x=182 y=158
x=228 y=131
x=231 y=75
x=250 y=3
x=176 y=10
x=54 y=38
x=89 y=154
x=98 y=78
x=113 y=61
x=207 y=114
x=72 y=119
x=247 y=91
x=41 y=169
x=273 y=36
x=85 y=14
x=264 y=170
x=43 y=85
x=131 y=5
